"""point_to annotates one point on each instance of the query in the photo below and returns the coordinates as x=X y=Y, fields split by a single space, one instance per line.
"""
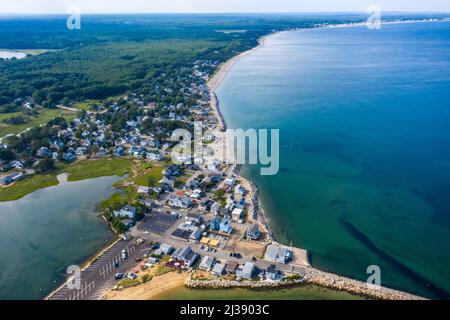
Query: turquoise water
x=364 y=118
x=48 y=230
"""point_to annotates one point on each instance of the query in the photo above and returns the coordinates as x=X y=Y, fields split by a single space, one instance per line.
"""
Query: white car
x=131 y=276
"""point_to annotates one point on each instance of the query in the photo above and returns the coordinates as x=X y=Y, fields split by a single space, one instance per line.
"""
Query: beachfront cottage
x=278 y=254
x=207 y=263
x=240 y=190
x=230 y=267
x=253 y=232
x=272 y=274
x=186 y=255
x=246 y=271
x=218 y=270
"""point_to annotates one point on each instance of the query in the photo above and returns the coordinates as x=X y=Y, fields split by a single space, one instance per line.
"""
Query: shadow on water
x=419 y=279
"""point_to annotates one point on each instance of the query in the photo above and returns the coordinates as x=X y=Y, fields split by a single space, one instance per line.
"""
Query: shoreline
x=313 y=276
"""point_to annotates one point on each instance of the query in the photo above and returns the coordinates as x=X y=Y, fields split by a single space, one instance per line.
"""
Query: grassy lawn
x=44 y=116
x=85 y=105
x=98 y=168
x=27 y=185
x=4 y=116
x=150 y=176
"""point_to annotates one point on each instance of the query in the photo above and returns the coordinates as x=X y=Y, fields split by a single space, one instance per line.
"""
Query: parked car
x=118 y=276
x=131 y=275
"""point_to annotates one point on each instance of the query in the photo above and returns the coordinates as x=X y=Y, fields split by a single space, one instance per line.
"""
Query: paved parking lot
x=99 y=276
x=157 y=222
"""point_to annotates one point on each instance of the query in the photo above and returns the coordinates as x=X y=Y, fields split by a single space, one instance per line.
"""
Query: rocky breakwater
x=314 y=277
x=333 y=281
x=225 y=284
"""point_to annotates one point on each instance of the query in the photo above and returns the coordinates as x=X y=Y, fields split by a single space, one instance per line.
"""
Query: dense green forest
x=111 y=55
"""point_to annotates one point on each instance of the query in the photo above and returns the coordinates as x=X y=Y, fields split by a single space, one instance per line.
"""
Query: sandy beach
x=220 y=75
x=149 y=290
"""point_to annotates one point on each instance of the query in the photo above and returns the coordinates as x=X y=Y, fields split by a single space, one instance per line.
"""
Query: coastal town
x=201 y=222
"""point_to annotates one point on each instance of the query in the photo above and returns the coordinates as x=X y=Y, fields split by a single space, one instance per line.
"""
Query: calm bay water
x=48 y=230
x=294 y=293
x=364 y=118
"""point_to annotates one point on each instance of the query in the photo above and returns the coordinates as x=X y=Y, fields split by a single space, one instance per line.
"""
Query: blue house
x=225 y=226
x=120 y=151
x=214 y=224
x=69 y=157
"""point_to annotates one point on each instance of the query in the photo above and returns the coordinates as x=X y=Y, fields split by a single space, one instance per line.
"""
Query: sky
x=218 y=6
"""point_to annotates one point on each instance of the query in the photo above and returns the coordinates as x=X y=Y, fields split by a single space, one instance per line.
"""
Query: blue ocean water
x=364 y=119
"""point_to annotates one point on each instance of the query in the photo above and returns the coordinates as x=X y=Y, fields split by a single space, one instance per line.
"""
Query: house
x=186 y=255
x=278 y=254
x=43 y=152
x=80 y=151
x=101 y=153
x=214 y=224
x=153 y=156
x=143 y=190
x=172 y=170
x=126 y=212
x=128 y=223
x=120 y=151
x=206 y=205
x=196 y=234
x=194 y=218
x=230 y=181
x=164 y=249
x=215 y=208
x=218 y=270
x=166 y=181
x=253 y=232
x=69 y=157
x=225 y=226
x=207 y=263
x=153 y=260
x=237 y=214
x=180 y=202
x=240 y=190
x=272 y=273
x=196 y=194
x=246 y=271
x=230 y=267
x=17 y=164
x=150 y=203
